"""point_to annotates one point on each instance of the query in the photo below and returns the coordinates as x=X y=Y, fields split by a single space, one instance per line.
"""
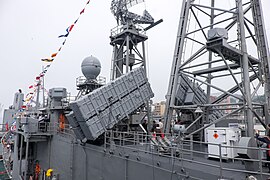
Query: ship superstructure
x=100 y=133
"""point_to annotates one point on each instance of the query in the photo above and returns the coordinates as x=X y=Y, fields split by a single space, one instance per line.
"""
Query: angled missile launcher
x=75 y=126
x=106 y=106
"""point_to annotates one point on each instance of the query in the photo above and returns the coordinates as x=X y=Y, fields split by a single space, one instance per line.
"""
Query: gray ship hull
x=72 y=160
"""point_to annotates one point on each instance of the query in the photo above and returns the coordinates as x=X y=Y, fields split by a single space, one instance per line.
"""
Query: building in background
x=159 y=108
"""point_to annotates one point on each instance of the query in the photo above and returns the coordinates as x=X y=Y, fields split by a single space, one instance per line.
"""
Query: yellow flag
x=49 y=172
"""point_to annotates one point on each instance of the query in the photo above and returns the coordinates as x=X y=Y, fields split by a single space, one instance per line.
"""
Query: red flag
x=30 y=86
x=37 y=78
x=6 y=126
x=71 y=27
x=82 y=11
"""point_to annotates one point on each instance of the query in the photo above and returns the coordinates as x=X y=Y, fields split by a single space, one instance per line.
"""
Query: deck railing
x=54 y=128
x=184 y=151
x=118 y=29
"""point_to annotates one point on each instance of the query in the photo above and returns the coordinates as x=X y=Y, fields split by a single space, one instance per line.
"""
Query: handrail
x=116 y=30
x=54 y=128
x=129 y=139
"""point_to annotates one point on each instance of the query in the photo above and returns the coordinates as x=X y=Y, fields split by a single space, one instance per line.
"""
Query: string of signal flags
x=68 y=30
x=38 y=80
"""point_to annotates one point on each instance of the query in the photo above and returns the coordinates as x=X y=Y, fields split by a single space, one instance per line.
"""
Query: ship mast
x=128 y=39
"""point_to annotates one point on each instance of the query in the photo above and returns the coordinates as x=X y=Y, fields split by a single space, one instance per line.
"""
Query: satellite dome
x=91 y=67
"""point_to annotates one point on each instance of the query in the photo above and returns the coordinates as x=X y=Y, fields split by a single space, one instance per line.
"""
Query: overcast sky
x=29 y=31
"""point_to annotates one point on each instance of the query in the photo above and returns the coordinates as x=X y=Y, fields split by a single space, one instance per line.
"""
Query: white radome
x=91 y=67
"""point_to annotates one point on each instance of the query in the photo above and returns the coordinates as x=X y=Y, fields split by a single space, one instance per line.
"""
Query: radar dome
x=91 y=67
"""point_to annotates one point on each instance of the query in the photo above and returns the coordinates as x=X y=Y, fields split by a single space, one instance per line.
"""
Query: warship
x=108 y=131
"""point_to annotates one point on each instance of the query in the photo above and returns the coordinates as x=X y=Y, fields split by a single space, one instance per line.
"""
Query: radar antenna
x=120 y=8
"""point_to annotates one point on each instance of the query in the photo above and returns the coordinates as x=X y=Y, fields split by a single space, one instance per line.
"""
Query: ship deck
x=189 y=162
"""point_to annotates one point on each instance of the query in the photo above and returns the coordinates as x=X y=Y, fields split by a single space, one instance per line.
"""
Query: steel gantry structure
x=128 y=41
x=221 y=48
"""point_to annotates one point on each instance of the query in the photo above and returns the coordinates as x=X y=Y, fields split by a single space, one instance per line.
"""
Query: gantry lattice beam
x=233 y=65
